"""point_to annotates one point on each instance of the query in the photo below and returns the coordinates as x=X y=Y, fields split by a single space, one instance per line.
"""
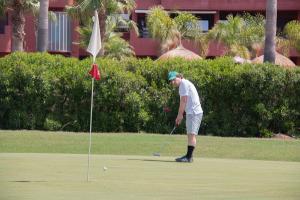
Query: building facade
x=63 y=37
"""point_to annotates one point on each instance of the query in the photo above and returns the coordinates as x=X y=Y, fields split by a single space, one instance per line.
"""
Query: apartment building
x=63 y=37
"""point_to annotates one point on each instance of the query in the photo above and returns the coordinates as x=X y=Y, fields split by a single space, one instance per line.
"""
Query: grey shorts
x=193 y=123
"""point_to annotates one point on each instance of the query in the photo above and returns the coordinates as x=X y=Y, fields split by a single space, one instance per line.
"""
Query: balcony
x=151 y=47
x=227 y=4
x=145 y=46
x=146 y=4
x=60 y=3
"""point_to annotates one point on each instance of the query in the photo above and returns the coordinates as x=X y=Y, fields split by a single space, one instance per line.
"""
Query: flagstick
x=94 y=47
x=91 y=117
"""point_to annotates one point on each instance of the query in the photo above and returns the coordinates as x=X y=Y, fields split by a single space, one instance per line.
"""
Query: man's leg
x=192 y=126
x=191 y=145
x=192 y=141
x=188 y=157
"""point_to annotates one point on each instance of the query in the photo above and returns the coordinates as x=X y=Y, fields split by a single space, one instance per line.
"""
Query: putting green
x=63 y=176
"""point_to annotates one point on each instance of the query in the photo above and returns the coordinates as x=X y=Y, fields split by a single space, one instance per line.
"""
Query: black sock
x=190 y=150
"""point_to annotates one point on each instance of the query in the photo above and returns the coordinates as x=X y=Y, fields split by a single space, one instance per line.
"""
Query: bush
x=51 y=92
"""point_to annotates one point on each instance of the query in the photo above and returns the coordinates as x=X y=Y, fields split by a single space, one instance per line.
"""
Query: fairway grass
x=147 y=144
x=29 y=176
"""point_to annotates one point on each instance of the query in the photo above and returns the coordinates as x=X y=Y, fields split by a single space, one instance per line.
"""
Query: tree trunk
x=102 y=20
x=18 y=24
x=270 y=32
x=42 y=37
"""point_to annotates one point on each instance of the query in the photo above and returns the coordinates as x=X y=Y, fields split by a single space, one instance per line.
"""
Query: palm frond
x=292 y=29
x=130 y=4
x=283 y=45
x=118 y=48
x=118 y=20
x=159 y=23
x=203 y=42
x=173 y=41
x=4 y=5
x=32 y=6
x=253 y=31
x=121 y=6
x=84 y=9
x=85 y=34
x=52 y=16
x=239 y=50
x=292 y=32
x=187 y=24
x=115 y=47
x=132 y=25
x=74 y=11
x=240 y=32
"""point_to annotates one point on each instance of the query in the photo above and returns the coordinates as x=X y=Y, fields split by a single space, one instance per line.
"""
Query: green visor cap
x=172 y=75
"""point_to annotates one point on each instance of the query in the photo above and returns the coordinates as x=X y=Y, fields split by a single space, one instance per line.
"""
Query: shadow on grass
x=152 y=160
x=27 y=181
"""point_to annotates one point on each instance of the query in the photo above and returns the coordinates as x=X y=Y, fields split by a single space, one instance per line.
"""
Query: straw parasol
x=181 y=52
x=279 y=60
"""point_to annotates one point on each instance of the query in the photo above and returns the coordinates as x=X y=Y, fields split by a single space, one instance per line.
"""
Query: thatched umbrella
x=181 y=52
x=279 y=60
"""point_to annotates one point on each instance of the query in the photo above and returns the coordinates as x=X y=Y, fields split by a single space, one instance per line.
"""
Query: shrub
x=51 y=92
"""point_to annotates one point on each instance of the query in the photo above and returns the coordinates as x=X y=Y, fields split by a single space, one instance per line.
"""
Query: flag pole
x=91 y=118
x=94 y=47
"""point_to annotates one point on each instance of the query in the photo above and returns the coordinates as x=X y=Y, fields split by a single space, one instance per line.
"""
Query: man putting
x=190 y=103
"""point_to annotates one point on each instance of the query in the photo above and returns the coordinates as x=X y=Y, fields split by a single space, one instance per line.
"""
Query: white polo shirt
x=187 y=88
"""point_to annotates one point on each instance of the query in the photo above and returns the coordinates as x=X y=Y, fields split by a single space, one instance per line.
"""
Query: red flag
x=95 y=73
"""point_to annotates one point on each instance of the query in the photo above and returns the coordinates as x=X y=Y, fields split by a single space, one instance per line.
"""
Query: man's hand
x=183 y=101
x=178 y=119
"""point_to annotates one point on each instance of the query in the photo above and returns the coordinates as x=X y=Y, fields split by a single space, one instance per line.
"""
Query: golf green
x=64 y=176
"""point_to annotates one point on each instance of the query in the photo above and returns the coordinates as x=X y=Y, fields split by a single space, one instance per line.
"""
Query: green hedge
x=51 y=92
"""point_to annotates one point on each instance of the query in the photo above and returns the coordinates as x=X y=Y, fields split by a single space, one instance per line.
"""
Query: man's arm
x=181 y=109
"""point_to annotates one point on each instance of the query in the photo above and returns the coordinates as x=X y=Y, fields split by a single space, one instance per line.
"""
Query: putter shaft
x=164 y=144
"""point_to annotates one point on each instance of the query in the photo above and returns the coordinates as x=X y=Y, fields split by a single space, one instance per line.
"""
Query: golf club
x=164 y=144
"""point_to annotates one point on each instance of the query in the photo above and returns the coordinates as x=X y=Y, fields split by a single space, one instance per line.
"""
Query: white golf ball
x=104 y=168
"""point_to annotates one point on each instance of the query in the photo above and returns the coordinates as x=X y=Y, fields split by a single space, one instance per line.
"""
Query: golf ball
x=104 y=168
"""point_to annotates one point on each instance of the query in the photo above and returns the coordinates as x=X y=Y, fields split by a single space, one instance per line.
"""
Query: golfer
x=190 y=103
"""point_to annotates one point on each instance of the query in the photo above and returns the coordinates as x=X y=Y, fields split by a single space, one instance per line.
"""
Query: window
x=60 y=33
x=284 y=17
x=141 y=23
x=204 y=25
x=123 y=27
x=2 y=26
x=206 y=21
x=3 y=23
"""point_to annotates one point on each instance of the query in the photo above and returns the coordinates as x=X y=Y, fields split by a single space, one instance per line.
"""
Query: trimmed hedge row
x=51 y=92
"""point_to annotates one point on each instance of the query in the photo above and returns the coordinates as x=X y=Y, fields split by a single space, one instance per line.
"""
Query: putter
x=164 y=144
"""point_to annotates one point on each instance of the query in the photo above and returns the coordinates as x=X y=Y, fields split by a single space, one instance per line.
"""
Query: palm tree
x=42 y=39
x=115 y=46
x=271 y=20
x=118 y=48
x=289 y=38
x=240 y=34
x=159 y=24
x=170 y=31
x=18 y=8
x=292 y=32
x=203 y=43
x=83 y=10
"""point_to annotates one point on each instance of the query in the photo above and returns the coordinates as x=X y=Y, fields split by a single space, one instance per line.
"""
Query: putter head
x=156 y=154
